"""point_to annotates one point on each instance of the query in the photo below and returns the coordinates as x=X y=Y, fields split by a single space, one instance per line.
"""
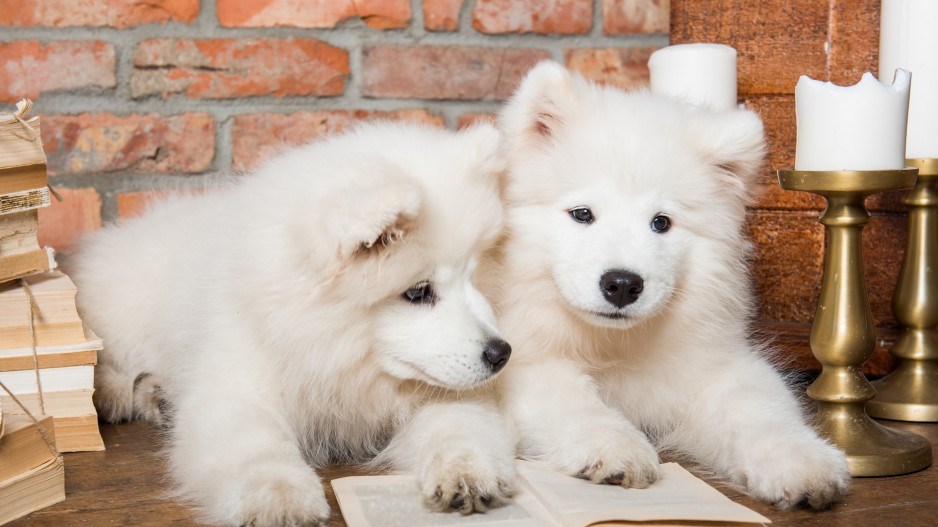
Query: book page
x=677 y=496
x=394 y=501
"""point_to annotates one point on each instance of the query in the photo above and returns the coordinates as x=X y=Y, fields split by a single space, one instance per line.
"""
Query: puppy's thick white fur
x=591 y=379
x=270 y=315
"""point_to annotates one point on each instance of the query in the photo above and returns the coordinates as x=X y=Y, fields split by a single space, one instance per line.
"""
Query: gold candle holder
x=911 y=392
x=842 y=336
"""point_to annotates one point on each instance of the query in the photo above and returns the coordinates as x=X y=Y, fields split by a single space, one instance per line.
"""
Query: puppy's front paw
x=280 y=496
x=620 y=457
x=812 y=474
x=466 y=482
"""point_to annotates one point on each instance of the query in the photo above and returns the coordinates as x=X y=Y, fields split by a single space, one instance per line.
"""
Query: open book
x=548 y=498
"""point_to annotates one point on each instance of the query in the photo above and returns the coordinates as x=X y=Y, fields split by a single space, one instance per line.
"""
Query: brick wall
x=141 y=98
x=778 y=41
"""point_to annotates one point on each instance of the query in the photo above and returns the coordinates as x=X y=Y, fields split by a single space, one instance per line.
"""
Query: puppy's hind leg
x=462 y=453
x=113 y=393
x=149 y=404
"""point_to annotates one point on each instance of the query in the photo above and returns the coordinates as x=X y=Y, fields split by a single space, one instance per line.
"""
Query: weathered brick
x=626 y=68
x=230 y=68
x=884 y=239
x=778 y=116
x=887 y=202
x=109 y=13
x=854 y=40
x=30 y=68
x=441 y=15
x=533 y=16
x=62 y=224
x=777 y=43
x=445 y=72
x=378 y=14
x=625 y=17
x=789 y=260
x=131 y=204
x=469 y=119
x=102 y=142
x=257 y=136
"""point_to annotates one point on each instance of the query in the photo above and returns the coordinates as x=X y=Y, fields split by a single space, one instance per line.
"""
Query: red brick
x=257 y=136
x=533 y=16
x=778 y=116
x=110 y=13
x=441 y=15
x=231 y=68
x=625 y=17
x=884 y=240
x=101 y=142
x=854 y=40
x=789 y=261
x=62 y=224
x=30 y=67
x=131 y=204
x=445 y=72
x=378 y=14
x=777 y=42
x=469 y=119
x=626 y=68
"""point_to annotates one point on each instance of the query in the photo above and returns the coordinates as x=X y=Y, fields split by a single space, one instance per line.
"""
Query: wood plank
x=126 y=485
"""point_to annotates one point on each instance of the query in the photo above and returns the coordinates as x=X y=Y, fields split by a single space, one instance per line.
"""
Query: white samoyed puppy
x=320 y=310
x=623 y=285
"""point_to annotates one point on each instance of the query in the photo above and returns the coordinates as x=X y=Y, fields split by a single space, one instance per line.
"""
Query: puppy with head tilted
x=623 y=285
x=320 y=310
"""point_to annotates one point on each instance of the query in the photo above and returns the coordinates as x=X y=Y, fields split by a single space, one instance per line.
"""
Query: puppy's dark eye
x=421 y=293
x=661 y=224
x=582 y=215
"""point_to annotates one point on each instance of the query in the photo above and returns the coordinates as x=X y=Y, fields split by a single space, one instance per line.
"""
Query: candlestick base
x=872 y=449
x=911 y=392
x=842 y=336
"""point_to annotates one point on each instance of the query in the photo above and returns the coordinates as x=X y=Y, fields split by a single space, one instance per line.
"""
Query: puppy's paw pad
x=465 y=484
x=293 y=498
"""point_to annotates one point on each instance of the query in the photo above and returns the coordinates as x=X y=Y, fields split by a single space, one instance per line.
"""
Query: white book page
x=677 y=496
x=394 y=501
x=53 y=379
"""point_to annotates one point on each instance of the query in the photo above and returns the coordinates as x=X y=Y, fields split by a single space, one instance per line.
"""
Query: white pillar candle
x=703 y=74
x=860 y=127
x=908 y=39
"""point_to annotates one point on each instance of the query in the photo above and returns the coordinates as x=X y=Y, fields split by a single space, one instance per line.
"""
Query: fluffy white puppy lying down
x=623 y=285
x=319 y=310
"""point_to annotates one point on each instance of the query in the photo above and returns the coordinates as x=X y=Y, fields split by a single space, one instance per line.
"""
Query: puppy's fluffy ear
x=375 y=217
x=540 y=106
x=734 y=143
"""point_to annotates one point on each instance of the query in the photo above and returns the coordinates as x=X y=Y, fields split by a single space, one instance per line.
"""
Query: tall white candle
x=860 y=127
x=703 y=74
x=908 y=39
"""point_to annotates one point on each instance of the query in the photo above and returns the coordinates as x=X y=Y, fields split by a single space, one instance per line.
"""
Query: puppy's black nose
x=496 y=354
x=620 y=287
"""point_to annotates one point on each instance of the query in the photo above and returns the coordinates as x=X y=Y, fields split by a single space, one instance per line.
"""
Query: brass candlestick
x=842 y=336
x=911 y=392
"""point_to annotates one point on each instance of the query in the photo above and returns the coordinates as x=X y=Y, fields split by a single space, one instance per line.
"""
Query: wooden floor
x=125 y=486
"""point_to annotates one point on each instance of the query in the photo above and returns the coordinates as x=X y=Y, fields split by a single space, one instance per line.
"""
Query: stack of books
x=23 y=190
x=39 y=323
x=66 y=353
x=47 y=357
